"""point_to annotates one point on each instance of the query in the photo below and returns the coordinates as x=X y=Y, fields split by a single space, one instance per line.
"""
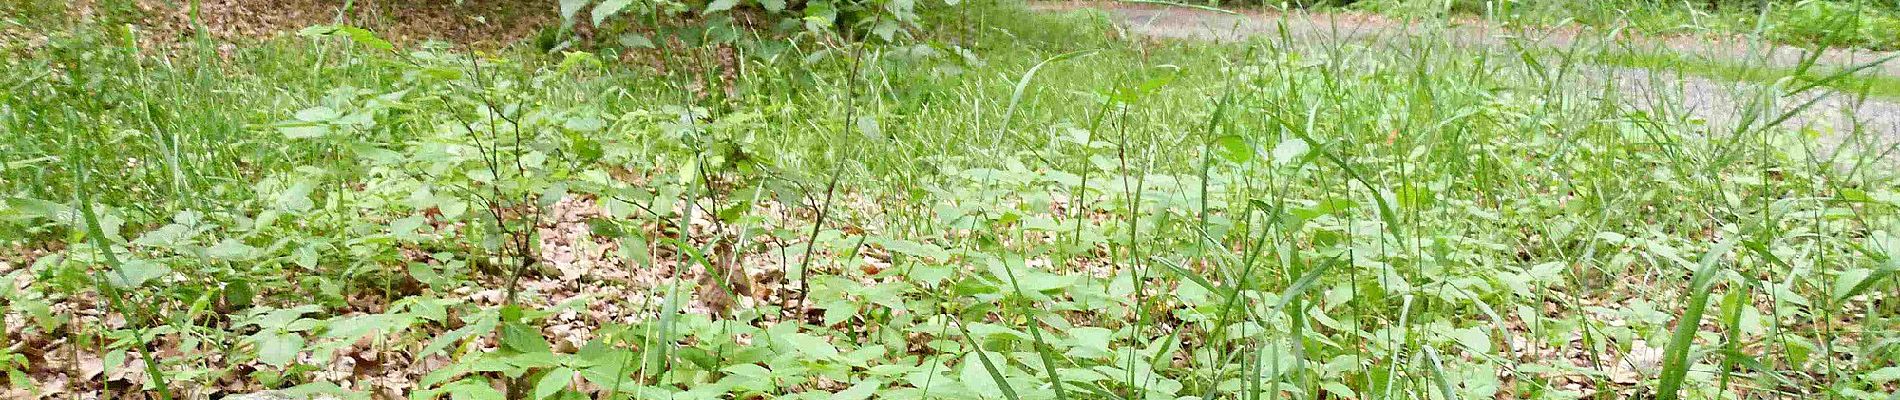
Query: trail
x=1843 y=119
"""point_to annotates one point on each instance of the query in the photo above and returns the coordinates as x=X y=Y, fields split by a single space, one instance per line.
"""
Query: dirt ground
x=1840 y=117
x=486 y=23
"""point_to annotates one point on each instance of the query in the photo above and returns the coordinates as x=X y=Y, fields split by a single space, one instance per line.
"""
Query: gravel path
x=1720 y=103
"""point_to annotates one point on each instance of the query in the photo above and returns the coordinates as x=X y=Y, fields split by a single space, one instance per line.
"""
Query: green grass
x=1008 y=205
x=1872 y=84
x=1839 y=23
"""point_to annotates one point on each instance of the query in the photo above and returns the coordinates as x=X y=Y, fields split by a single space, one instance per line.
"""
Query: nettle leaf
x=584 y=123
x=815 y=346
x=900 y=7
x=281 y=319
x=357 y=326
x=133 y=273
x=231 y=250
x=1090 y=342
x=523 y=338
x=1473 y=339
x=535 y=360
x=317 y=114
x=553 y=382
x=165 y=236
x=914 y=249
x=1289 y=150
x=604 y=9
x=1884 y=375
x=720 y=5
x=772 y=5
x=277 y=348
x=32 y=207
x=635 y=40
x=304 y=131
x=869 y=128
x=860 y=391
x=886 y=29
x=569 y=8
x=366 y=38
x=474 y=388
x=1234 y=149
x=406 y=228
x=974 y=375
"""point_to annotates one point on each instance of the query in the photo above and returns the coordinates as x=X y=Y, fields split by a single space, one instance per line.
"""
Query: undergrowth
x=1015 y=205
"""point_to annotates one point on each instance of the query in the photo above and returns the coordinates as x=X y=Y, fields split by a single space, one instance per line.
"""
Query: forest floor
x=1093 y=200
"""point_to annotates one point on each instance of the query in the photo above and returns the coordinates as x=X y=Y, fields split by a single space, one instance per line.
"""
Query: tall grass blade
x=1676 y=355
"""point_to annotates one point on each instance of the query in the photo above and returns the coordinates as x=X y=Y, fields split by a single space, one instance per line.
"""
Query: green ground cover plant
x=984 y=203
x=1846 y=23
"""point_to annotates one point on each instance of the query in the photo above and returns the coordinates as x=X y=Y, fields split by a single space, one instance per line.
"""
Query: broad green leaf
x=133 y=273
x=1289 y=150
x=166 y=236
x=277 y=348
x=584 y=123
x=605 y=9
x=817 y=347
x=869 y=128
x=553 y=382
x=1855 y=281
x=1339 y=390
x=886 y=29
x=31 y=207
x=354 y=327
x=900 y=8
x=355 y=34
x=304 y=131
x=913 y=249
x=569 y=8
x=367 y=38
x=317 y=114
x=862 y=390
x=635 y=40
x=772 y=5
x=720 y=5
x=535 y=360
x=523 y=338
x=1884 y=375
x=752 y=371
x=1473 y=339
x=474 y=389
x=1234 y=149
x=231 y=250
x=406 y=227
x=1090 y=342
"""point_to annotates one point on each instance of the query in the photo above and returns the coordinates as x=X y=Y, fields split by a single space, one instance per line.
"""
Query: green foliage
x=1856 y=24
x=1804 y=23
x=641 y=24
x=1035 y=209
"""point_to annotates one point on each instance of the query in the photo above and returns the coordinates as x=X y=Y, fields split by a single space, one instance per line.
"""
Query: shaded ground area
x=170 y=24
x=1837 y=117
